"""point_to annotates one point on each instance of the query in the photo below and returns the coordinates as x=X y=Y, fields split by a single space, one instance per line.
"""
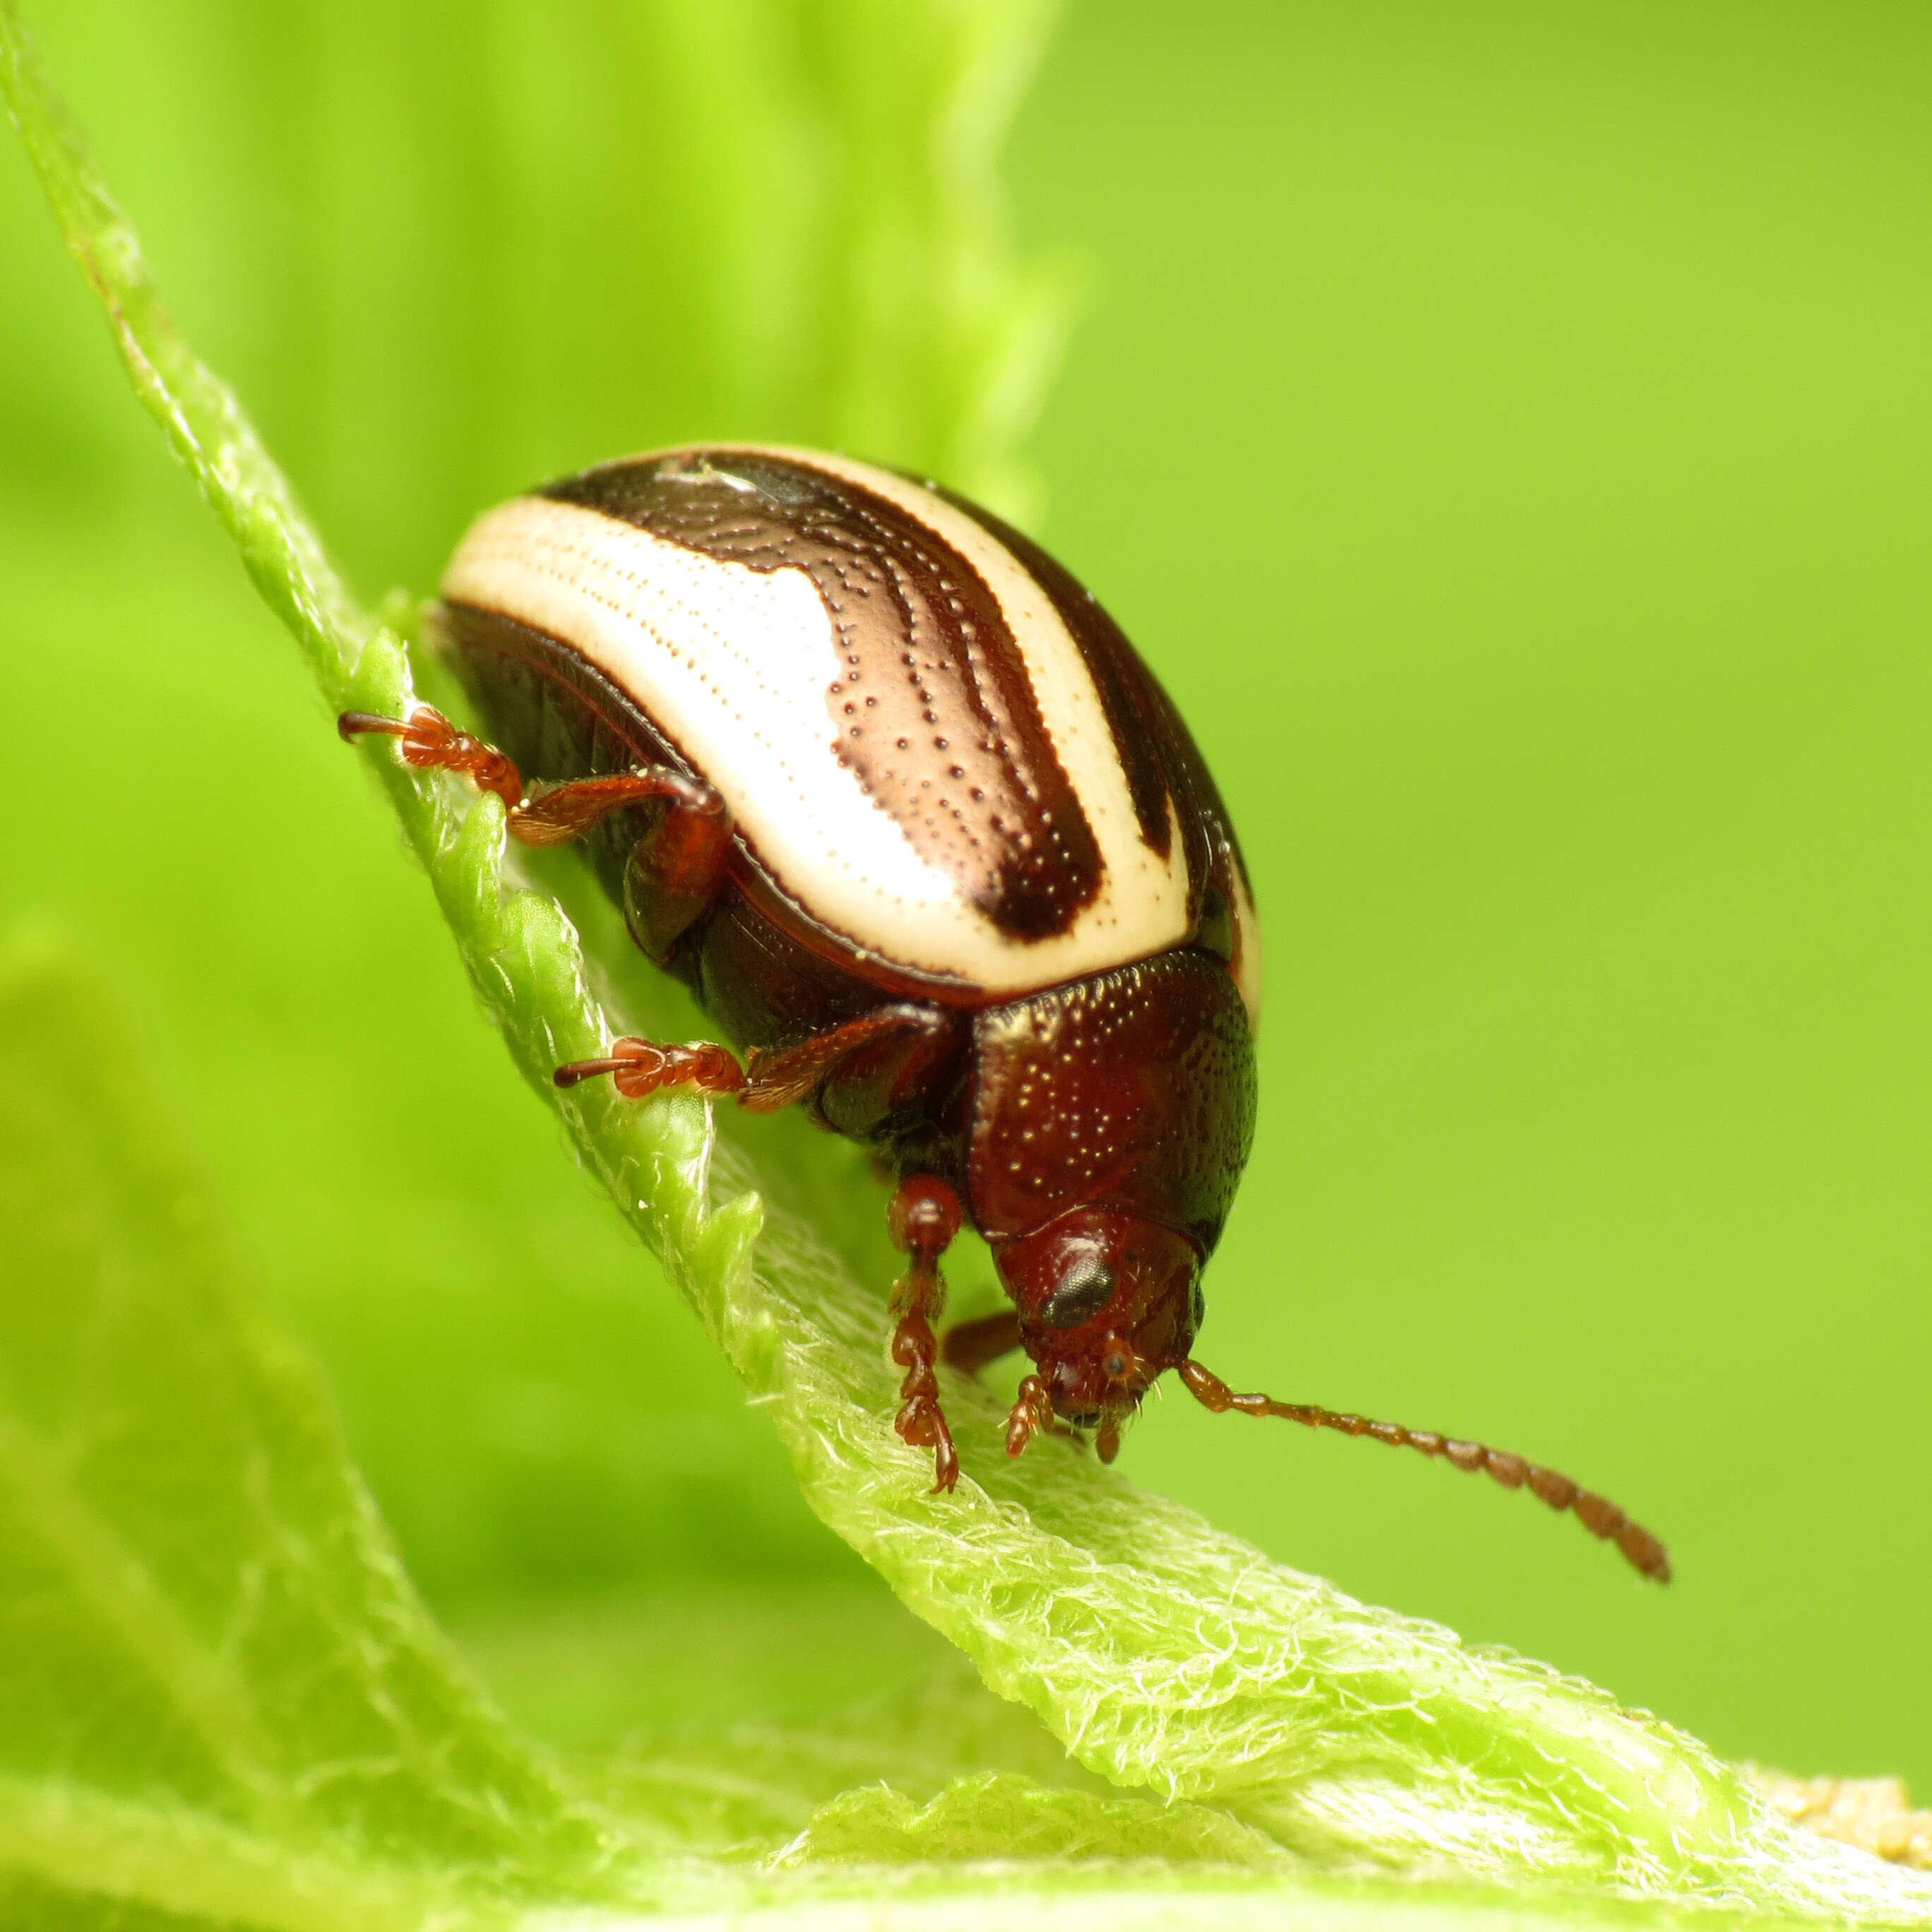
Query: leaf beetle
x=894 y=796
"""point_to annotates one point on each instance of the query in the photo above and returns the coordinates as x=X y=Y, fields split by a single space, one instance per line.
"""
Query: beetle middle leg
x=768 y=1080
x=925 y=1214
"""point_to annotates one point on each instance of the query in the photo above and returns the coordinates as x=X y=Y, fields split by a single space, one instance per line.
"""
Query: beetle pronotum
x=873 y=775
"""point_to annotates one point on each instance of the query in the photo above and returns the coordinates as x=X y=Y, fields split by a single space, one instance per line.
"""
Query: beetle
x=894 y=797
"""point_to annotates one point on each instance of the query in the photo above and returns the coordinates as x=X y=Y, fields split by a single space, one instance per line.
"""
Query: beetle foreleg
x=1032 y=1413
x=923 y=1218
x=1032 y=1409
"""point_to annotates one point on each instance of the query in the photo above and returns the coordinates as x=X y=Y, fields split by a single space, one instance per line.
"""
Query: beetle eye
x=1084 y=1294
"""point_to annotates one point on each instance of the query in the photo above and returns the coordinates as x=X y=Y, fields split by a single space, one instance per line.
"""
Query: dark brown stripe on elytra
x=935 y=711
x=1128 y=697
x=1157 y=750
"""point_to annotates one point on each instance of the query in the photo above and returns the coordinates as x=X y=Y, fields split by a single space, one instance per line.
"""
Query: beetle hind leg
x=693 y=834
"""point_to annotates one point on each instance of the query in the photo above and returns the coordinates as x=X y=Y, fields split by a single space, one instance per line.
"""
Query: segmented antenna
x=1597 y=1514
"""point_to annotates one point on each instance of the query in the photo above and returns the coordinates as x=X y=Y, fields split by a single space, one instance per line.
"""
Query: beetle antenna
x=1597 y=1514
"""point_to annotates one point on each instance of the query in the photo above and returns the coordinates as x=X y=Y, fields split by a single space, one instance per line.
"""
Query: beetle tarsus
x=922 y=1220
x=638 y=1067
x=766 y=1081
x=1597 y=1514
x=1032 y=1409
x=921 y=1422
x=1032 y=1413
x=430 y=742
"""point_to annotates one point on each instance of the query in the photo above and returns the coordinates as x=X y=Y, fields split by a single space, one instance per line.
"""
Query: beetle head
x=1107 y=1301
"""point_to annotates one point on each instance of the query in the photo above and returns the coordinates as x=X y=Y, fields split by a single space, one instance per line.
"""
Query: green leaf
x=237 y=1714
x=1288 y=1721
x=229 y=1672
x=221 y=1700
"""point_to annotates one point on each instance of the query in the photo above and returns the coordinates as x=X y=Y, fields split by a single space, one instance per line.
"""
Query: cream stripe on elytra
x=1062 y=687
x=1247 y=950
x=735 y=665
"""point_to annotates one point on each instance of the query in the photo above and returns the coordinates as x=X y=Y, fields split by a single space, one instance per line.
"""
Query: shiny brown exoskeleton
x=875 y=778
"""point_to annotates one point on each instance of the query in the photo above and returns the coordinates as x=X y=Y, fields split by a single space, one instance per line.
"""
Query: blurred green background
x=1507 y=431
